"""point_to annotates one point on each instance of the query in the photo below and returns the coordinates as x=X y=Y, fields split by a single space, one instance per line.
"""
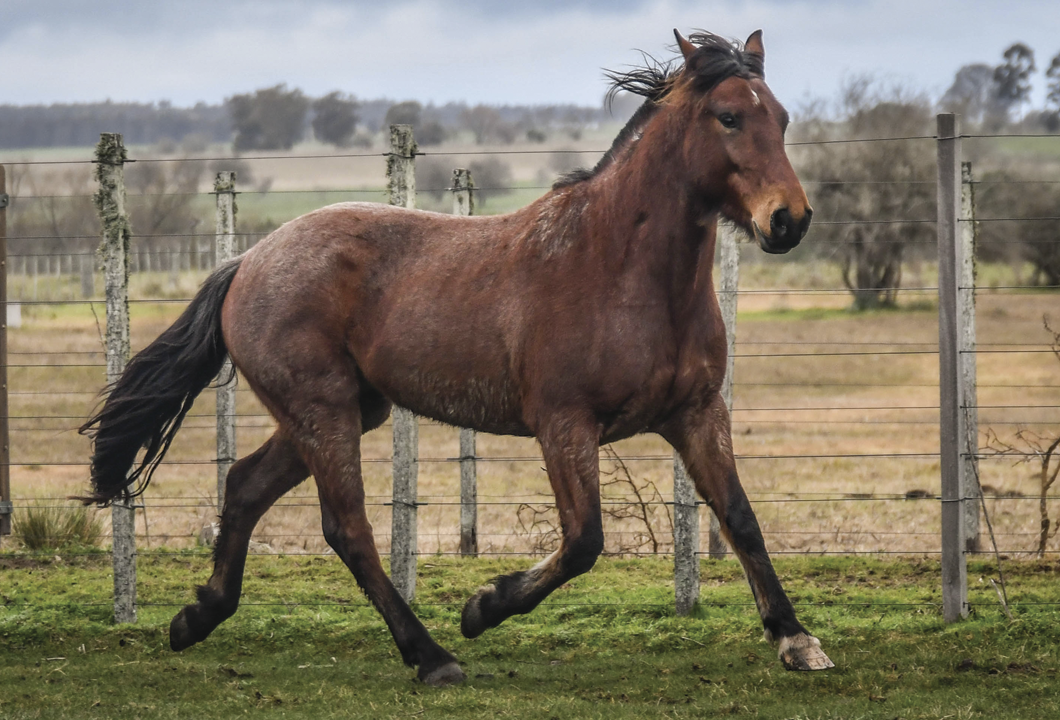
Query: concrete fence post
x=224 y=250
x=729 y=253
x=110 y=204
x=951 y=416
x=686 y=540
x=5 y=445
x=401 y=187
x=464 y=204
x=969 y=467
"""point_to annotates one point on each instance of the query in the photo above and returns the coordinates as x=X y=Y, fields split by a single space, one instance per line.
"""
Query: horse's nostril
x=805 y=224
x=782 y=224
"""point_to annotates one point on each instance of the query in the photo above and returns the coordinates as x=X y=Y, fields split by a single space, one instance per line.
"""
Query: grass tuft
x=54 y=527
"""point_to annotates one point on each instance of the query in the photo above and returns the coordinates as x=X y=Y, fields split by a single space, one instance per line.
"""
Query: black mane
x=715 y=59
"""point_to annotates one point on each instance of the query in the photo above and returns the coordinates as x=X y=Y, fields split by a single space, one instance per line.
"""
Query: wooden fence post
x=969 y=467
x=727 y=299
x=401 y=186
x=951 y=417
x=5 y=445
x=224 y=250
x=110 y=203
x=464 y=204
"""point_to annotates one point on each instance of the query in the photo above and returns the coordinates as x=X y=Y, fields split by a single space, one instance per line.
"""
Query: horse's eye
x=728 y=120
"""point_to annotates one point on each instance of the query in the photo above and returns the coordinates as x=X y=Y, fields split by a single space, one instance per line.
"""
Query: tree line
x=278 y=117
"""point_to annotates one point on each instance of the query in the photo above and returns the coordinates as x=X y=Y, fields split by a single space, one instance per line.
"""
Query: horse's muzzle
x=784 y=231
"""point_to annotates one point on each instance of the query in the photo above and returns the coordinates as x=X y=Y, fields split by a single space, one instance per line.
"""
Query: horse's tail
x=146 y=405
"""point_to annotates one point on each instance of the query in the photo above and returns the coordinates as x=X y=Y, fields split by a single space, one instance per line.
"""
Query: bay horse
x=586 y=317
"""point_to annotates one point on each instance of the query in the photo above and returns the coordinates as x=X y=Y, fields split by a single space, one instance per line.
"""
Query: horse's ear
x=754 y=44
x=687 y=48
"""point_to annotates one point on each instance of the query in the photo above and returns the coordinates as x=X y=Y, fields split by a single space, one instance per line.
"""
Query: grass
x=44 y=526
x=305 y=644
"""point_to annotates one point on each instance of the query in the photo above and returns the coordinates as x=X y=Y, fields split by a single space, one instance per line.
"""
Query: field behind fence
x=835 y=413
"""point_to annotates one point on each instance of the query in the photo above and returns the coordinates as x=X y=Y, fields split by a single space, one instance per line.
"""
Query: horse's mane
x=715 y=59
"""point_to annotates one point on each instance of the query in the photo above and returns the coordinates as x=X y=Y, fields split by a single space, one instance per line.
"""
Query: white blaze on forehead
x=755 y=99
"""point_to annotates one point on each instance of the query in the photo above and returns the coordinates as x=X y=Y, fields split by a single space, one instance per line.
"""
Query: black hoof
x=472 y=621
x=184 y=631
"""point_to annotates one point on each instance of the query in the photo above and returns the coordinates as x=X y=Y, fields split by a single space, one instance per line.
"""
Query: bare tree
x=876 y=193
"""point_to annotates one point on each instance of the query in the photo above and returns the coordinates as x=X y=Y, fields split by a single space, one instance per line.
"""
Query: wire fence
x=835 y=414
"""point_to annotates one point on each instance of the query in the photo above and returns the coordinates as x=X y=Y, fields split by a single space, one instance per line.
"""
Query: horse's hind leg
x=333 y=453
x=702 y=437
x=571 y=452
x=253 y=485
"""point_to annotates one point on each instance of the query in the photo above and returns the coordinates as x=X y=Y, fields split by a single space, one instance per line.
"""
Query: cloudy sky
x=490 y=51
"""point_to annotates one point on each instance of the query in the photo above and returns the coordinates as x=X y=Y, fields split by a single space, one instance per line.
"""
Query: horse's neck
x=657 y=222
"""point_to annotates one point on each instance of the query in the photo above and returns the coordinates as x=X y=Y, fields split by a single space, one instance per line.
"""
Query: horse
x=584 y=318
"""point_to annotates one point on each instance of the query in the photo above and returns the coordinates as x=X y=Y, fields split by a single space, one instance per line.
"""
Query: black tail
x=145 y=407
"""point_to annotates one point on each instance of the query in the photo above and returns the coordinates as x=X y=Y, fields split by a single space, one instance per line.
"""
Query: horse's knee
x=581 y=552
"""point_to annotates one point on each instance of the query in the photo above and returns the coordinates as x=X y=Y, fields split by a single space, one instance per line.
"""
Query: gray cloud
x=482 y=50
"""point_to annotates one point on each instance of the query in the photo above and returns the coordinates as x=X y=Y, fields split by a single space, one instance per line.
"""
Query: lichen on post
x=110 y=204
x=225 y=188
x=464 y=204
x=401 y=187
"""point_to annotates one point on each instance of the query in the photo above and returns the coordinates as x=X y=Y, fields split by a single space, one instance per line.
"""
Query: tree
x=488 y=125
x=335 y=118
x=972 y=94
x=268 y=119
x=404 y=113
x=870 y=188
x=1003 y=194
x=1012 y=77
x=1052 y=94
x=492 y=177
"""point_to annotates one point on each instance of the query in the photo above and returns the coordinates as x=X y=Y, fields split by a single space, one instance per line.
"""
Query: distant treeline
x=79 y=124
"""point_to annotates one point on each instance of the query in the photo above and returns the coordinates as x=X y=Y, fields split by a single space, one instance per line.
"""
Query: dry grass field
x=832 y=428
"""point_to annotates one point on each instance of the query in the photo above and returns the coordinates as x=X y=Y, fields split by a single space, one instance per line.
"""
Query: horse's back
x=409 y=296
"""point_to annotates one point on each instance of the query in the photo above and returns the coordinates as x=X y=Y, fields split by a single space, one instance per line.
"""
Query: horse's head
x=734 y=139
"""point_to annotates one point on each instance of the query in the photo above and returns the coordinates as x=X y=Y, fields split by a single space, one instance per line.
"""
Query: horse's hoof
x=803 y=652
x=448 y=674
x=472 y=622
x=180 y=634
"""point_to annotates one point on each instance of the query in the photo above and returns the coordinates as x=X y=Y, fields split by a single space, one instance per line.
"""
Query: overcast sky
x=489 y=51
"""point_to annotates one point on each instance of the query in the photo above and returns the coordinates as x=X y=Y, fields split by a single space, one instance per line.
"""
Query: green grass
x=305 y=644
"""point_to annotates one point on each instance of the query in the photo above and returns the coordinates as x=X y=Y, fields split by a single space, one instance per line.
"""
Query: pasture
x=305 y=644
x=836 y=435
x=834 y=426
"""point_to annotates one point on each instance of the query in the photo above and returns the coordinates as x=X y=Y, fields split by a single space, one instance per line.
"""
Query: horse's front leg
x=701 y=435
x=570 y=448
